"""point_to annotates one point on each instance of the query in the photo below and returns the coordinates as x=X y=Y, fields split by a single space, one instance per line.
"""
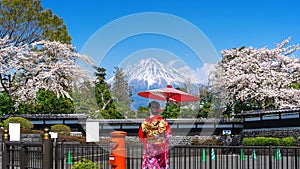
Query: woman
x=154 y=133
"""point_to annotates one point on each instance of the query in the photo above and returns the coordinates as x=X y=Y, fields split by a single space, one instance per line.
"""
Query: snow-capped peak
x=150 y=72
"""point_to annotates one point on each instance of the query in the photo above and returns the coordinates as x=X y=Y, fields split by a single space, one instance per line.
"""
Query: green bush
x=288 y=141
x=61 y=129
x=265 y=141
x=261 y=141
x=24 y=123
x=249 y=141
x=274 y=141
x=85 y=164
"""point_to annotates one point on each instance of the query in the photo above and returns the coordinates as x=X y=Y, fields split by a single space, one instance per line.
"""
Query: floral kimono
x=154 y=133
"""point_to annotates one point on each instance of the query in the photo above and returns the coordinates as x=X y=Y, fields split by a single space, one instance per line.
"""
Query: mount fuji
x=150 y=73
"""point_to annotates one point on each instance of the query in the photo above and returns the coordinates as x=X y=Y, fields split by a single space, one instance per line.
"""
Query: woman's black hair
x=154 y=106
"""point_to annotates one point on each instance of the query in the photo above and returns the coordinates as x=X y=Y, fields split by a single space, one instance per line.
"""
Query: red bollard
x=117 y=159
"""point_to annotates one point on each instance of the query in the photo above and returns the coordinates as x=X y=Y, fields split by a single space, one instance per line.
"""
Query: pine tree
x=121 y=93
x=142 y=112
x=106 y=104
x=84 y=100
x=172 y=110
x=205 y=102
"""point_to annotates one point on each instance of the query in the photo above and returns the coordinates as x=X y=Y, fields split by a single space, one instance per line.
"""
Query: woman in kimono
x=154 y=133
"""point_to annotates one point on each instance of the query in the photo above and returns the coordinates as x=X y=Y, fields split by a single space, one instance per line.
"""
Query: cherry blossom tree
x=258 y=76
x=24 y=69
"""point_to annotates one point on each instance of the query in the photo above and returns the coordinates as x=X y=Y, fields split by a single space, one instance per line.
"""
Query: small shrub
x=61 y=129
x=273 y=141
x=24 y=123
x=288 y=141
x=85 y=164
x=261 y=141
x=249 y=141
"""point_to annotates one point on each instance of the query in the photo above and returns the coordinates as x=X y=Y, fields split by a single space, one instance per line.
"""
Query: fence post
x=270 y=156
x=4 y=149
x=23 y=159
x=296 y=156
x=56 y=146
x=210 y=157
x=62 y=155
x=47 y=150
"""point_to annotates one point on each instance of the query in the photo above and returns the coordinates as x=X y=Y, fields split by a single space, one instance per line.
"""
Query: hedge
x=265 y=141
x=24 y=123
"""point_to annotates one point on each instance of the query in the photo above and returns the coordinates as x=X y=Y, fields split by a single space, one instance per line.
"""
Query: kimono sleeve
x=141 y=134
x=168 y=132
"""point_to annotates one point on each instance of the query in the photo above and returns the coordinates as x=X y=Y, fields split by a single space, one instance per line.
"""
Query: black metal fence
x=31 y=155
x=220 y=157
x=66 y=154
x=195 y=157
x=26 y=155
x=22 y=155
x=224 y=157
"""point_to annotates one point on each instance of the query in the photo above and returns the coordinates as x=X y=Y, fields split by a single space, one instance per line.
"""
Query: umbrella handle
x=167 y=105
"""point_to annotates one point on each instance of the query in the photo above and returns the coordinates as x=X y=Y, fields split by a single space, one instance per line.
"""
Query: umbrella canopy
x=168 y=94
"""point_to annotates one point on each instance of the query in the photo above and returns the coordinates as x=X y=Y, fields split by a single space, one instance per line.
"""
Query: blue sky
x=226 y=24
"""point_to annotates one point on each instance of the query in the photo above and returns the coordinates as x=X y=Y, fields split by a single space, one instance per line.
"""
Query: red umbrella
x=168 y=94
